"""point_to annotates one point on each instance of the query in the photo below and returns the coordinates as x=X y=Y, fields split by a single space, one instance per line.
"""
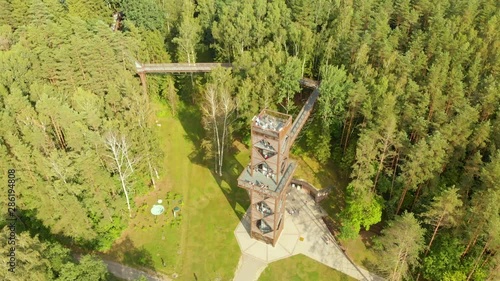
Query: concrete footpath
x=249 y=268
x=304 y=233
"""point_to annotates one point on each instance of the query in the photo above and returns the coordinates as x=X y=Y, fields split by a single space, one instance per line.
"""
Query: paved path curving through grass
x=129 y=273
x=304 y=233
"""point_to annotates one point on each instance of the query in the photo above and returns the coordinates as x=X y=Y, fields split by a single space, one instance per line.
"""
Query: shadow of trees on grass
x=126 y=252
x=191 y=120
x=28 y=221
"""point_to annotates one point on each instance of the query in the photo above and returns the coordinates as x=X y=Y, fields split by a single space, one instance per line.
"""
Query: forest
x=409 y=109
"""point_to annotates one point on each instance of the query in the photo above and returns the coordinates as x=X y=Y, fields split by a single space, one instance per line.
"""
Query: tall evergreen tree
x=400 y=245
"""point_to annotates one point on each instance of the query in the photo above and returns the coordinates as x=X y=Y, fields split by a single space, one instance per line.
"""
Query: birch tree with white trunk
x=121 y=161
x=218 y=107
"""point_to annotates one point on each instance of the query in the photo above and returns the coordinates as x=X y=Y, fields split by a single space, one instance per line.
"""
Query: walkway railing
x=178 y=67
x=303 y=115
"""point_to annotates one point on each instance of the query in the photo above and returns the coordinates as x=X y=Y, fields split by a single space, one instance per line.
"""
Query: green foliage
x=30 y=260
x=88 y=269
x=318 y=142
x=64 y=88
x=38 y=260
x=444 y=262
x=88 y=9
x=363 y=209
x=445 y=209
x=409 y=100
x=189 y=35
x=400 y=245
x=147 y=14
x=289 y=85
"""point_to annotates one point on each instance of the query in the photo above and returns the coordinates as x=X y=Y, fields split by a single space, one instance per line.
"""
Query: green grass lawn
x=300 y=267
x=359 y=250
x=320 y=176
x=203 y=243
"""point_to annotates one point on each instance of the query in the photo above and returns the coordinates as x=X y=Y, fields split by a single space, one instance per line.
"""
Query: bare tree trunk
x=395 y=167
x=119 y=155
x=401 y=200
x=287 y=108
x=59 y=134
x=303 y=66
x=228 y=106
x=478 y=259
x=434 y=234
x=488 y=257
x=381 y=163
x=348 y=133
x=122 y=179
x=417 y=195
x=58 y=171
x=472 y=241
x=217 y=142
x=496 y=269
x=395 y=270
x=343 y=132
x=211 y=110
x=151 y=174
x=221 y=159
x=125 y=152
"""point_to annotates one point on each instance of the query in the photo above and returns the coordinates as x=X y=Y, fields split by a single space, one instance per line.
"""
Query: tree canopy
x=409 y=108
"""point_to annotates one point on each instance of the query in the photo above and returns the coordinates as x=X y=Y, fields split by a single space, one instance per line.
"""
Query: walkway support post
x=142 y=75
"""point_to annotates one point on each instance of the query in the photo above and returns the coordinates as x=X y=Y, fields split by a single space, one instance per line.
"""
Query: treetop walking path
x=178 y=67
x=143 y=68
x=304 y=113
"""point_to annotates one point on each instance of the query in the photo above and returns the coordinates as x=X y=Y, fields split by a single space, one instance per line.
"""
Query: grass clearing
x=359 y=250
x=319 y=175
x=203 y=243
x=300 y=267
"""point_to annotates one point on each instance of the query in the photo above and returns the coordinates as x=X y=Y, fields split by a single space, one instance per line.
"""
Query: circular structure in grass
x=157 y=210
x=176 y=209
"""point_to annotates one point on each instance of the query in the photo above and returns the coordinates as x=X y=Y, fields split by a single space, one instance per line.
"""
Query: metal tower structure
x=267 y=177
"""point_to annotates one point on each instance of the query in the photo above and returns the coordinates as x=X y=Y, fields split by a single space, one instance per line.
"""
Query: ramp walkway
x=303 y=115
x=178 y=67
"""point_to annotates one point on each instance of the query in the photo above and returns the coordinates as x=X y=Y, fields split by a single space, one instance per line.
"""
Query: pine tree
x=30 y=260
x=444 y=211
x=189 y=35
x=400 y=245
x=425 y=159
x=89 y=269
x=289 y=85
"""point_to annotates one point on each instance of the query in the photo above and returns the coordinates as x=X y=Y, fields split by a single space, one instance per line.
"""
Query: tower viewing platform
x=268 y=175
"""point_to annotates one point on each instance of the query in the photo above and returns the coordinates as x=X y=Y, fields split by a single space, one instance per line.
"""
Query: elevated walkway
x=303 y=115
x=178 y=67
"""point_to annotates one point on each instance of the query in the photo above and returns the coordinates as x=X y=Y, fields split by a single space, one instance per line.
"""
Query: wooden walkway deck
x=304 y=113
x=178 y=67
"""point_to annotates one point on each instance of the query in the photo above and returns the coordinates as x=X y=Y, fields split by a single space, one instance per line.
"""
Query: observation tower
x=267 y=177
